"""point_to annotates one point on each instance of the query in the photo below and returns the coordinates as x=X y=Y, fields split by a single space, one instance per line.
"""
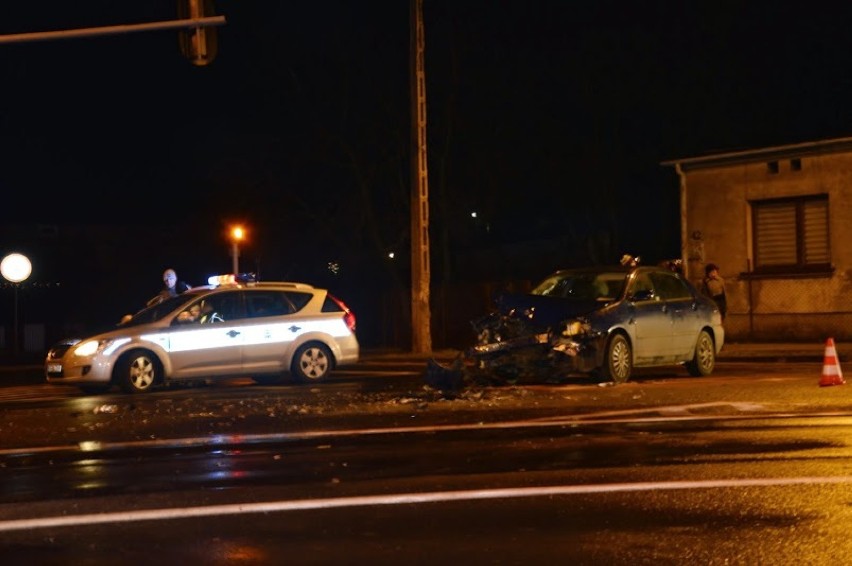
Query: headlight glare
x=91 y=347
x=87 y=348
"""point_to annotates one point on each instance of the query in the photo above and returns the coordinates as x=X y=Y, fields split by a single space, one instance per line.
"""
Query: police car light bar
x=217 y=280
x=231 y=279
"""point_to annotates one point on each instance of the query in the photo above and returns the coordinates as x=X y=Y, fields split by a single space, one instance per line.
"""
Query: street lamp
x=237 y=235
x=16 y=268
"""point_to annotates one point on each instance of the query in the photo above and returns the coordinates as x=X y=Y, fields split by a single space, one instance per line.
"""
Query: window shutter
x=776 y=235
x=815 y=216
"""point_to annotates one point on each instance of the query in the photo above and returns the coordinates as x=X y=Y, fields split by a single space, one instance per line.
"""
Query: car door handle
x=233 y=333
x=294 y=328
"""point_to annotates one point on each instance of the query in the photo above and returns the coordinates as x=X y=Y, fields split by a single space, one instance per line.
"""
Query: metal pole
x=112 y=30
x=15 y=285
x=235 y=255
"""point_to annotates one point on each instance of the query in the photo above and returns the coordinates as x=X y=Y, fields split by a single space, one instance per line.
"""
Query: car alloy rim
x=620 y=361
x=141 y=372
x=314 y=363
x=705 y=352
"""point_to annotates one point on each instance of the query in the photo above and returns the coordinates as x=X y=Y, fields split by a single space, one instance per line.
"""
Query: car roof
x=611 y=268
x=595 y=269
x=257 y=285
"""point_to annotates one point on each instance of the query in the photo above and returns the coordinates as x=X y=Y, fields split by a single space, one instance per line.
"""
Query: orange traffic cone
x=831 y=374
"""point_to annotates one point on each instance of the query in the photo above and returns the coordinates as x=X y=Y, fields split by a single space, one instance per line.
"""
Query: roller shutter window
x=792 y=234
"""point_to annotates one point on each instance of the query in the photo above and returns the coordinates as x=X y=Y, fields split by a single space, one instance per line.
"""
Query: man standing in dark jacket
x=714 y=287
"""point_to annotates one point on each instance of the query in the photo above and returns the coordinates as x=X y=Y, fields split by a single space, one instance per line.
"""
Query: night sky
x=548 y=117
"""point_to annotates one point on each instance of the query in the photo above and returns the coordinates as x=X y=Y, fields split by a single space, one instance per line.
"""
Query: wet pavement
x=731 y=352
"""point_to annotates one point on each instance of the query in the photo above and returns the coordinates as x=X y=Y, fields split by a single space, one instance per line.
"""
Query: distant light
x=391 y=255
x=16 y=267
x=334 y=267
x=237 y=233
x=473 y=214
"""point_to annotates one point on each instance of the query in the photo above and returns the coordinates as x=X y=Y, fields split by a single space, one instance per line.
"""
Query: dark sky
x=549 y=117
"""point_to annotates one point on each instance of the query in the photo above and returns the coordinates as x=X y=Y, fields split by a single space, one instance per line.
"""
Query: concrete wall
x=716 y=227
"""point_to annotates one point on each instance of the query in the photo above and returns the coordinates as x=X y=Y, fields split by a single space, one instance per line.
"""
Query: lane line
x=543 y=422
x=398 y=499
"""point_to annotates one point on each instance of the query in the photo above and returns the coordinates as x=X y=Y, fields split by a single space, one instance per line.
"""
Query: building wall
x=717 y=228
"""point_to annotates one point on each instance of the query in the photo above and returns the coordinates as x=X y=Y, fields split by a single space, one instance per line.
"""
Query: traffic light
x=199 y=44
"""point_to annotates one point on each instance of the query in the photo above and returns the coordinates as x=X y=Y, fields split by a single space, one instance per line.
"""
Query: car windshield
x=589 y=286
x=159 y=310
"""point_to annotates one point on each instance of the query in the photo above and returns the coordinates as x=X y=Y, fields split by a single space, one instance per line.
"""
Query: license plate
x=54 y=368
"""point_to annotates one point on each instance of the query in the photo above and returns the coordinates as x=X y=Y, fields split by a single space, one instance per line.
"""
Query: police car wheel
x=137 y=371
x=311 y=363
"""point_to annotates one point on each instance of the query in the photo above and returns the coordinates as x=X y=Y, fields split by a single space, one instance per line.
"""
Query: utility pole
x=421 y=324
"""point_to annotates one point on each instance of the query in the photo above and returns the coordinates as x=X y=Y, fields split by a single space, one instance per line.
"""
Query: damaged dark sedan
x=600 y=321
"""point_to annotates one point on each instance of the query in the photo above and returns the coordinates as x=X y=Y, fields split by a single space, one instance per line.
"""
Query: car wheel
x=618 y=362
x=137 y=371
x=704 y=360
x=312 y=363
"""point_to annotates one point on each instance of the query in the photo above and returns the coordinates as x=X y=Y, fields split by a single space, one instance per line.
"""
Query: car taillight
x=348 y=316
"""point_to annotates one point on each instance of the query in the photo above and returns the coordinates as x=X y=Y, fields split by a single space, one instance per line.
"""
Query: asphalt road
x=750 y=465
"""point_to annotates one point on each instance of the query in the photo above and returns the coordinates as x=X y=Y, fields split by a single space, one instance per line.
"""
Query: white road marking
x=398 y=499
x=557 y=421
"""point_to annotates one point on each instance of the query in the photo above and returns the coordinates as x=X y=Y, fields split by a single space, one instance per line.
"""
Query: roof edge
x=763 y=154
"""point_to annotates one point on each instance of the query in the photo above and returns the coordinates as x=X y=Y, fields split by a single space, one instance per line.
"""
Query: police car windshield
x=159 y=310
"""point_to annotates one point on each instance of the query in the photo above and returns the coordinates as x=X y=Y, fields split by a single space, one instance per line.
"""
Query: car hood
x=107 y=333
x=543 y=311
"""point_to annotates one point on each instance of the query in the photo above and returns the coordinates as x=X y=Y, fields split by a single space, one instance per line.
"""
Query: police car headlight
x=87 y=348
x=91 y=347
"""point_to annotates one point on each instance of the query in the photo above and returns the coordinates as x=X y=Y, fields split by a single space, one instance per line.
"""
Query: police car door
x=209 y=342
x=273 y=324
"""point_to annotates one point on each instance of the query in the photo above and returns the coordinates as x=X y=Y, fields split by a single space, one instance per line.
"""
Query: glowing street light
x=15 y=268
x=237 y=235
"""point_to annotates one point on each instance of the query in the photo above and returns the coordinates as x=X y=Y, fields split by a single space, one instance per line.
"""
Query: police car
x=234 y=326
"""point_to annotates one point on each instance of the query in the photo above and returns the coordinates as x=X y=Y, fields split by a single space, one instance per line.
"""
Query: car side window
x=221 y=307
x=268 y=303
x=642 y=286
x=670 y=287
x=298 y=299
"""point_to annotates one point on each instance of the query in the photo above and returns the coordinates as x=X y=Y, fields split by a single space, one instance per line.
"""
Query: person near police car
x=172 y=287
x=713 y=285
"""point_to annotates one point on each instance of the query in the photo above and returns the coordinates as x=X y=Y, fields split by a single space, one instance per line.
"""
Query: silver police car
x=231 y=327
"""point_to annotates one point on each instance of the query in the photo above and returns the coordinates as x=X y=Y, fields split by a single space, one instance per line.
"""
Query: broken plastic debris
x=105 y=409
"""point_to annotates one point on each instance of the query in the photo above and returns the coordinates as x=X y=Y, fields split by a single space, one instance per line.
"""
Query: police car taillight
x=348 y=315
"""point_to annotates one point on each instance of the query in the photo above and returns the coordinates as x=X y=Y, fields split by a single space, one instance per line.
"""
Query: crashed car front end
x=582 y=345
x=508 y=346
